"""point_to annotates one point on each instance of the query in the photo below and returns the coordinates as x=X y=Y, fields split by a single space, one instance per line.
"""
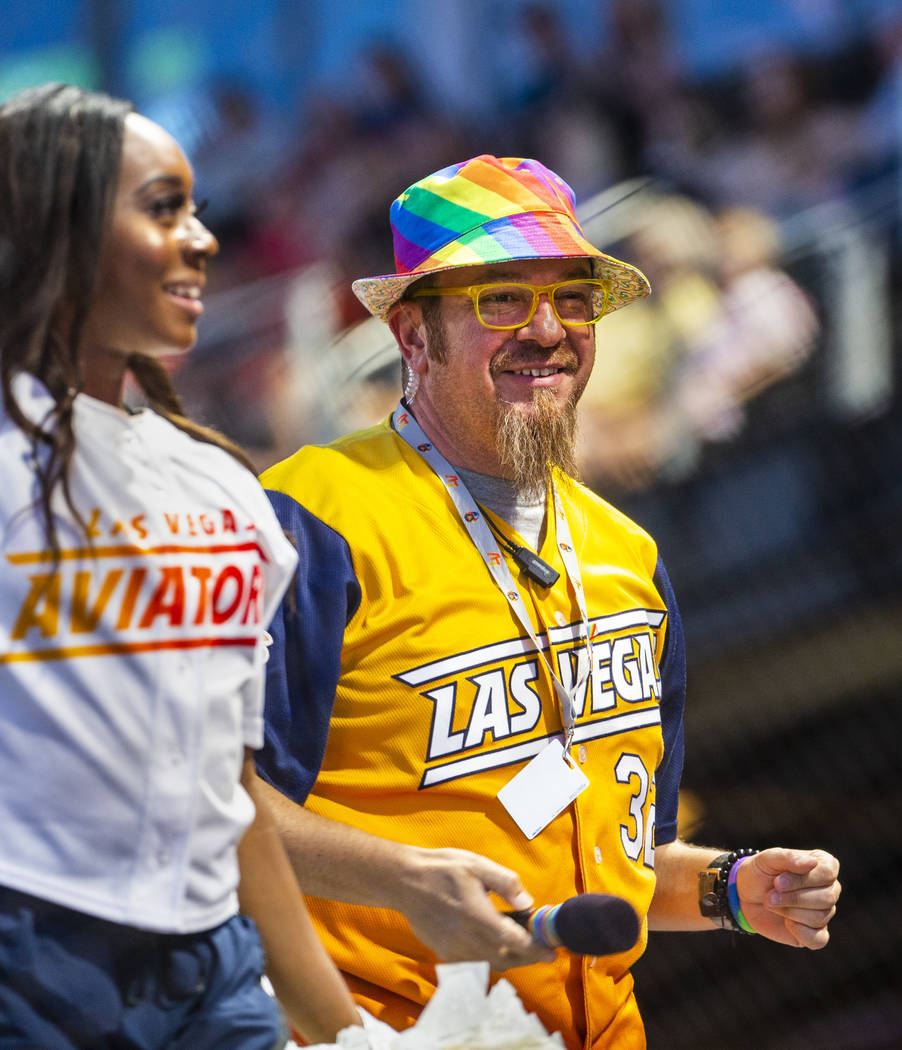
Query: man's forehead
x=531 y=271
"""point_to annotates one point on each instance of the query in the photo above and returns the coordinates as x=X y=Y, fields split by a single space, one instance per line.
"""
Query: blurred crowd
x=725 y=167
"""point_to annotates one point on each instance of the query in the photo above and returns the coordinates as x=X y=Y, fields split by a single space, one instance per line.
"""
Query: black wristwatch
x=713 y=898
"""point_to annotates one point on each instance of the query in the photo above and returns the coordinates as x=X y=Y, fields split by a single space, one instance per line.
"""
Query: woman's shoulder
x=31 y=396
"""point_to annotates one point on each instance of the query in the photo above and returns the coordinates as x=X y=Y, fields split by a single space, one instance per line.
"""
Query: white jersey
x=131 y=668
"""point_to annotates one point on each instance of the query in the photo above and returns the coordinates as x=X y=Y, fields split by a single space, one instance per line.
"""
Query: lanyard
x=481 y=535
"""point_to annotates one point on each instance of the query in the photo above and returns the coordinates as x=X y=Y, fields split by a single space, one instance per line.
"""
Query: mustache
x=508 y=359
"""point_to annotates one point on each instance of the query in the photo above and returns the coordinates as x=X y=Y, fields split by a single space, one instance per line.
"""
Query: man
x=475 y=699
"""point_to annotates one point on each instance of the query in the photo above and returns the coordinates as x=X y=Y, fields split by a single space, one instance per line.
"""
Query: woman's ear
x=406 y=323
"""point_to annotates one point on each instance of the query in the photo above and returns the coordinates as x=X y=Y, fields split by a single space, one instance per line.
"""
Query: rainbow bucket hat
x=489 y=210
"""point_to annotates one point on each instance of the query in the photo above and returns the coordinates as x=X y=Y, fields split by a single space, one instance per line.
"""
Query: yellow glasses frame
x=473 y=292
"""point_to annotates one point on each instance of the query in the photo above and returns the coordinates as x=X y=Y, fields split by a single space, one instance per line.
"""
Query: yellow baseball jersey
x=403 y=694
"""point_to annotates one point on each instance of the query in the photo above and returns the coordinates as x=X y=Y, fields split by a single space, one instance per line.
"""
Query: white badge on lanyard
x=550 y=780
x=542 y=789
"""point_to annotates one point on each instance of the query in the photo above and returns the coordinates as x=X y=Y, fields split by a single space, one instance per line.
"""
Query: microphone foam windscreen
x=596 y=924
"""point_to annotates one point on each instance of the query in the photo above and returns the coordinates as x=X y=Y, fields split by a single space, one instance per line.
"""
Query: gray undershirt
x=526 y=516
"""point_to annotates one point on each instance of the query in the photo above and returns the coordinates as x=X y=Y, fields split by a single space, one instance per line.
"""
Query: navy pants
x=72 y=982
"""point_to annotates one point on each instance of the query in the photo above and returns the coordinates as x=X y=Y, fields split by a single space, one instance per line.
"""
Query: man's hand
x=445 y=897
x=790 y=895
x=443 y=893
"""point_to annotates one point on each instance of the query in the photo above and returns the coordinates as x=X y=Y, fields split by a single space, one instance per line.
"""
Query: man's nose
x=544 y=326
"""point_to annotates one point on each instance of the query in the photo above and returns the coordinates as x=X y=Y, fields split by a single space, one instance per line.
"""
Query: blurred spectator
x=550 y=109
x=546 y=69
x=296 y=225
x=764 y=329
x=628 y=423
x=882 y=119
x=792 y=150
x=388 y=94
x=357 y=152
x=637 y=77
x=235 y=158
x=723 y=323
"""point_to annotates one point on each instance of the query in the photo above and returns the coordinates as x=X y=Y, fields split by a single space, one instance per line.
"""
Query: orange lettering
x=92 y=530
x=252 y=607
x=82 y=619
x=202 y=574
x=138 y=525
x=230 y=572
x=172 y=520
x=228 y=521
x=167 y=600
x=131 y=596
x=41 y=606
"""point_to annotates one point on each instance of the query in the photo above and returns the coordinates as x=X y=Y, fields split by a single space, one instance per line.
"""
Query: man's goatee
x=529 y=444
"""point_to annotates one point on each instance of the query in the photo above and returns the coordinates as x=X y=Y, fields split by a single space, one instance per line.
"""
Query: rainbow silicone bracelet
x=733 y=896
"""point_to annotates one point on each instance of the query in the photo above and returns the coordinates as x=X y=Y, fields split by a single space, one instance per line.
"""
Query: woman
x=141 y=564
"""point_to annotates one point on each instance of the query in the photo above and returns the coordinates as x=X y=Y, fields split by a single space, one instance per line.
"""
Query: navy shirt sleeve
x=673 y=699
x=305 y=657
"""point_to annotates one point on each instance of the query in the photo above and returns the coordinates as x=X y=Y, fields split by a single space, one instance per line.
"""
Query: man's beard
x=529 y=444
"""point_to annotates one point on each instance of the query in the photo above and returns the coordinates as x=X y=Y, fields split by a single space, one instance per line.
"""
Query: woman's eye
x=200 y=207
x=165 y=206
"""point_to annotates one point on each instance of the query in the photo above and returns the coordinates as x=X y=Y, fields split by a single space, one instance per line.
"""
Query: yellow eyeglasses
x=502 y=306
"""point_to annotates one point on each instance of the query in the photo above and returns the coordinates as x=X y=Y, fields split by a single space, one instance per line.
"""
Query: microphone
x=589 y=924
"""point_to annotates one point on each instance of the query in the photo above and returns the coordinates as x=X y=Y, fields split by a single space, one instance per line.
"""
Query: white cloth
x=131 y=670
x=461 y=1015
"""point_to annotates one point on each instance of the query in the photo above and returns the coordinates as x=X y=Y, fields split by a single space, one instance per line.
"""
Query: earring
x=411 y=387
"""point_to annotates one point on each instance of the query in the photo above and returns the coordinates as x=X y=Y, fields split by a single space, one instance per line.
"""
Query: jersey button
x=583 y=754
x=598 y=855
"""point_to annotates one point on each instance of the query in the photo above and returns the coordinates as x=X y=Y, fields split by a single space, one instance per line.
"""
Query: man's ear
x=406 y=323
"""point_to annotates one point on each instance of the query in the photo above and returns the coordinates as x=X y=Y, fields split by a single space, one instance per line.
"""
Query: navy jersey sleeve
x=304 y=661
x=673 y=698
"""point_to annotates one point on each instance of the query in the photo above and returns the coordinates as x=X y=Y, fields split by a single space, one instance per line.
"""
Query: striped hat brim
x=534 y=235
